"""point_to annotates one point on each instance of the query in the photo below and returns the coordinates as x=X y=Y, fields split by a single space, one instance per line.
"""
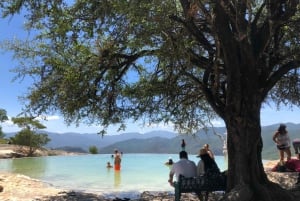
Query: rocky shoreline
x=14 y=151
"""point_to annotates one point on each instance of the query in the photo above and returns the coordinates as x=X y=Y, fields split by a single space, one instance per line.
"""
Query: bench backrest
x=208 y=182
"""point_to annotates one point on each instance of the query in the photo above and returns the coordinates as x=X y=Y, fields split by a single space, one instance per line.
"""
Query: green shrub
x=93 y=150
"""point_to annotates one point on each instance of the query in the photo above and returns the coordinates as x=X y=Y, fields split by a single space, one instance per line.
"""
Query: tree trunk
x=247 y=180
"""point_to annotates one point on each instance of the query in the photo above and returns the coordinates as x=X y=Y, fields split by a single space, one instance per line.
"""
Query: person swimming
x=109 y=165
x=169 y=162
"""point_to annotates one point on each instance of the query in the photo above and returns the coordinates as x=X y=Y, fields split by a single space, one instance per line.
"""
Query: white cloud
x=8 y=123
x=9 y=126
x=48 y=118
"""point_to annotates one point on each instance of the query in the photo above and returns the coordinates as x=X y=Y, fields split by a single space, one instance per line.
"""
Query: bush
x=3 y=141
x=93 y=150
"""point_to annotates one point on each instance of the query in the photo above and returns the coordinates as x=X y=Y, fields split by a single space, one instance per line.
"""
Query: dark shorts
x=282 y=147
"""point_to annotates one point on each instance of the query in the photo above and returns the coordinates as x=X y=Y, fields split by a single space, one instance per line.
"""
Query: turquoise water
x=139 y=172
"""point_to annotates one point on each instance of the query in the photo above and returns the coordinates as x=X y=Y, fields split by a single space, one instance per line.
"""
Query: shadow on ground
x=145 y=196
x=79 y=196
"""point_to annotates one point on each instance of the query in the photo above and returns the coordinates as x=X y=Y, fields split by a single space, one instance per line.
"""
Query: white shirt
x=283 y=139
x=200 y=168
x=185 y=168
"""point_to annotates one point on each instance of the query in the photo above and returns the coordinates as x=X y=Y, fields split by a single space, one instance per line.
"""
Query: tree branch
x=273 y=79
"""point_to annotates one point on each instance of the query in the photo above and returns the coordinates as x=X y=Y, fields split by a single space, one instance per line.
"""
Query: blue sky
x=10 y=91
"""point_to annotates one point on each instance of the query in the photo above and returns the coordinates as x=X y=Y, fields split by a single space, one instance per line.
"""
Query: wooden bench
x=206 y=183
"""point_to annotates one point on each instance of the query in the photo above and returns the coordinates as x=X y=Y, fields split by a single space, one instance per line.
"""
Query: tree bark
x=247 y=180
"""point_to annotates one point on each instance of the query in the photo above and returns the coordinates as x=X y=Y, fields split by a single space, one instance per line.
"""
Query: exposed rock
x=286 y=180
x=15 y=151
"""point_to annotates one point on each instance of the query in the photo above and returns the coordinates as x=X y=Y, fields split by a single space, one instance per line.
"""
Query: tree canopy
x=163 y=61
x=29 y=135
x=178 y=61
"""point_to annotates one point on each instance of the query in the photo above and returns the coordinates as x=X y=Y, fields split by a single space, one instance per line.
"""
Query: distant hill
x=194 y=143
x=84 y=141
x=160 y=141
x=150 y=145
x=163 y=145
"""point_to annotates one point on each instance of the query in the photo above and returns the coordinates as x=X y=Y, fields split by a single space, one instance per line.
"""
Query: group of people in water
x=117 y=160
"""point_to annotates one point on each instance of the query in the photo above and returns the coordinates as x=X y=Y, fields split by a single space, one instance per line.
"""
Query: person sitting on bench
x=184 y=167
x=206 y=164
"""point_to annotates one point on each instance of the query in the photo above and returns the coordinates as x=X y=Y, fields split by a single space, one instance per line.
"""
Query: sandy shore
x=18 y=187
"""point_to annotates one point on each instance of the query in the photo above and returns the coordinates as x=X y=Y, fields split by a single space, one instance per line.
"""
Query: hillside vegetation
x=160 y=141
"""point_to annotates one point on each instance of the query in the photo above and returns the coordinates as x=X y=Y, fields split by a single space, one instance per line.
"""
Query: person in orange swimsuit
x=117 y=160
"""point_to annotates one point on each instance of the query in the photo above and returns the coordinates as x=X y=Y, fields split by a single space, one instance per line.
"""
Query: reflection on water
x=33 y=167
x=117 y=178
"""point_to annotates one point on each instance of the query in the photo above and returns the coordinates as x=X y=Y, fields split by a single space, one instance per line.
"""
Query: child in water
x=109 y=165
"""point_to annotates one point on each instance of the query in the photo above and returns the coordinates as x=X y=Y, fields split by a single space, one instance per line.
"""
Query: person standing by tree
x=282 y=140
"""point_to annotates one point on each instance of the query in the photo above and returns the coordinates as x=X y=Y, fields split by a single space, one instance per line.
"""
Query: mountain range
x=160 y=141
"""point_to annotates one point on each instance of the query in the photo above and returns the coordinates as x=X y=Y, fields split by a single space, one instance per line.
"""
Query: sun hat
x=202 y=151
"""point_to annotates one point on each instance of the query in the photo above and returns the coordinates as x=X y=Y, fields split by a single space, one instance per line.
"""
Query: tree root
x=270 y=192
x=239 y=193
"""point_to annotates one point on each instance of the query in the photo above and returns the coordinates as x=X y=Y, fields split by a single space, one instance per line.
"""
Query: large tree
x=174 y=61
